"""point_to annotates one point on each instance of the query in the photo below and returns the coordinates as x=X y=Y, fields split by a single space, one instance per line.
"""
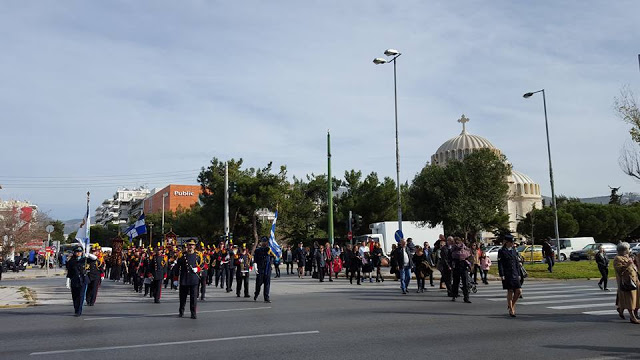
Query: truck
x=384 y=233
x=567 y=245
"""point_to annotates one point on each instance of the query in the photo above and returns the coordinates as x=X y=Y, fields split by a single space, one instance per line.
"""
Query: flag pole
x=86 y=241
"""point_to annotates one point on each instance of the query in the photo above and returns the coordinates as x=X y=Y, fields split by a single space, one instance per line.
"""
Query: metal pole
x=330 y=189
x=226 y=200
x=163 y=196
x=350 y=226
x=46 y=253
x=553 y=192
x=395 y=96
x=151 y=235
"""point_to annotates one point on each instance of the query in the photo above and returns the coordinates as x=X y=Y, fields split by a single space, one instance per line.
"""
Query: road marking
x=580 y=306
x=602 y=312
x=545 y=297
x=563 y=301
x=173 y=313
x=575 y=291
x=174 y=343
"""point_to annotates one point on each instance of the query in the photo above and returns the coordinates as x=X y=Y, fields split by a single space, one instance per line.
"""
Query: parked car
x=567 y=245
x=526 y=253
x=589 y=251
x=634 y=248
x=493 y=253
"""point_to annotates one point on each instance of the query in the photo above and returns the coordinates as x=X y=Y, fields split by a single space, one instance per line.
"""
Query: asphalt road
x=311 y=320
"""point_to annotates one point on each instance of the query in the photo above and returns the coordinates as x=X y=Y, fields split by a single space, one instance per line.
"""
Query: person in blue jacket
x=262 y=260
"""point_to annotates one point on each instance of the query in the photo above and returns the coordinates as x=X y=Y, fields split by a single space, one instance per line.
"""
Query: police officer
x=95 y=274
x=189 y=265
x=262 y=261
x=77 y=278
x=158 y=269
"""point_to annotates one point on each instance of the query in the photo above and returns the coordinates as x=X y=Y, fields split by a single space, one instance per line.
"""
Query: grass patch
x=584 y=269
x=26 y=293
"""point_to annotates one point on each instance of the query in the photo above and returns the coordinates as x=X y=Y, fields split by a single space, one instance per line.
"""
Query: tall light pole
x=329 y=191
x=553 y=191
x=394 y=54
x=163 y=197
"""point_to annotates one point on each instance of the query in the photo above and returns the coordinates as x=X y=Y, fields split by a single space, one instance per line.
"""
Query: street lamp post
x=394 y=54
x=163 y=197
x=553 y=192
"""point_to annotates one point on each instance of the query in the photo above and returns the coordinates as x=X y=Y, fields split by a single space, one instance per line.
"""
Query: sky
x=98 y=95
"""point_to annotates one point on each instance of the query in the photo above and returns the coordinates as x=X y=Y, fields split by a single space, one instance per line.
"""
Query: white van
x=567 y=245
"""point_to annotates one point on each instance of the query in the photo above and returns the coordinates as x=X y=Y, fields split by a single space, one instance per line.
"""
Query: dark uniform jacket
x=263 y=260
x=602 y=260
x=158 y=267
x=300 y=256
x=95 y=271
x=77 y=272
x=400 y=257
x=185 y=265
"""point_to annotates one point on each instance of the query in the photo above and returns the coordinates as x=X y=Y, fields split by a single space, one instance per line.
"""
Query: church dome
x=458 y=147
x=523 y=184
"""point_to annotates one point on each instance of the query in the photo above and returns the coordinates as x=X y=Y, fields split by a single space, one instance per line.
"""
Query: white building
x=120 y=208
x=524 y=193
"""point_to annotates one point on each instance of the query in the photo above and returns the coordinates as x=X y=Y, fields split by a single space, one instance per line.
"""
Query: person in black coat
x=509 y=270
x=376 y=260
x=77 y=279
x=95 y=277
x=347 y=254
x=158 y=269
x=262 y=259
x=300 y=258
x=603 y=266
x=355 y=264
x=189 y=266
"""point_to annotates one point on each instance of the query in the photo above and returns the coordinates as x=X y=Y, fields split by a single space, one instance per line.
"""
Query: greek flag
x=83 y=233
x=273 y=245
x=137 y=229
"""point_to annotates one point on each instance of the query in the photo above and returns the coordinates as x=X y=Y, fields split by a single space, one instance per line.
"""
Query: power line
x=176 y=172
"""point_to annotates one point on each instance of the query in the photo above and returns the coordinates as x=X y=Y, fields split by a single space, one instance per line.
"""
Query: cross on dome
x=463 y=120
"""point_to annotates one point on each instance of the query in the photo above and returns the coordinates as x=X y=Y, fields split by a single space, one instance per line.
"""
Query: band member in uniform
x=223 y=264
x=204 y=273
x=77 y=278
x=231 y=266
x=95 y=273
x=242 y=271
x=210 y=253
x=262 y=260
x=189 y=265
x=158 y=270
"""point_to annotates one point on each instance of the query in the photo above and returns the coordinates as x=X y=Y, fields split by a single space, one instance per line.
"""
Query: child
x=485 y=264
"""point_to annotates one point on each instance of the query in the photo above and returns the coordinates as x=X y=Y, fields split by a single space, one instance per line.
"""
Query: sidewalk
x=15 y=297
x=33 y=273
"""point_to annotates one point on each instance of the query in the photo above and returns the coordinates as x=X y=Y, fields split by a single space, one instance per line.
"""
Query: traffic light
x=233 y=187
x=357 y=221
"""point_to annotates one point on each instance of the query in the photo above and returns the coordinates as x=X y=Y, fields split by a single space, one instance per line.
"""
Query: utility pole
x=226 y=200
x=350 y=227
x=150 y=235
x=330 y=188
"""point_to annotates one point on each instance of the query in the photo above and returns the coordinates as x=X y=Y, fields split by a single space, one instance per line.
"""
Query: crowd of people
x=190 y=269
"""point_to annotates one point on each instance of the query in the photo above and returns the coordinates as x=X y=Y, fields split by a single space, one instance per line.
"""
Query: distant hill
x=74 y=224
x=627 y=198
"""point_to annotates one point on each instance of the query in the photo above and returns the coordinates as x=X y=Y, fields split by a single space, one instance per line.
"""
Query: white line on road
x=173 y=343
x=524 y=291
x=173 y=313
x=580 y=306
x=602 y=312
x=565 y=301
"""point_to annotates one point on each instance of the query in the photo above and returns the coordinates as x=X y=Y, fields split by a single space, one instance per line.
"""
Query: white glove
x=101 y=278
x=195 y=269
x=68 y=283
x=255 y=268
x=91 y=256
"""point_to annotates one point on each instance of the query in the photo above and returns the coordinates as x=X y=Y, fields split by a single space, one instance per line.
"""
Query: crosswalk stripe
x=525 y=291
x=549 y=296
x=580 y=306
x=563 y=301
x=601 y=312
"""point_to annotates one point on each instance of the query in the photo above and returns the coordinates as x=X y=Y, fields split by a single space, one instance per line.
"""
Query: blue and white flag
x=137 y=229
x=273 y=245
x=83 y=233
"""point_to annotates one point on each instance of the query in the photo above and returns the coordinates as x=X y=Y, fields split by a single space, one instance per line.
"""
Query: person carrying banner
x=189 y=265
x=77 y=278
x=262 y=264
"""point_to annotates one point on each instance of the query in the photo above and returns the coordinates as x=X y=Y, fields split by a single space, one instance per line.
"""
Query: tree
x=58 y=231
x=256 y=189
x=18 y=227
x=466 y=196
x=626 y=107
x=544 y=224
x=103 y=235
x=303 y=210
